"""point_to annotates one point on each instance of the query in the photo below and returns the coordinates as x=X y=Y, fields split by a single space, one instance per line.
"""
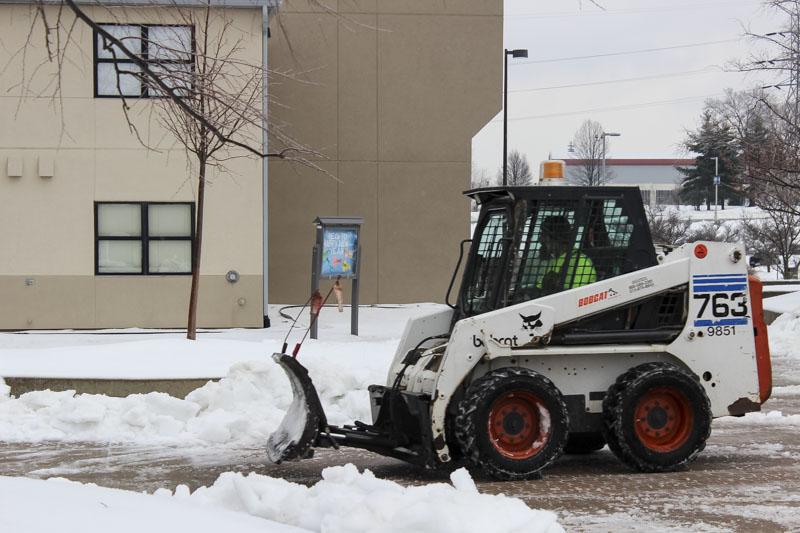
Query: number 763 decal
x=721 y=309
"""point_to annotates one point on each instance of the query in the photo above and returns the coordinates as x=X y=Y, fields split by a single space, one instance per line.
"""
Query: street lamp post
x=603 y=136
x=716 y=186
x=520 y=52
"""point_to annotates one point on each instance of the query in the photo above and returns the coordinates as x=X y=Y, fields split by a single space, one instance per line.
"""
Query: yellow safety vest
x=580 y=266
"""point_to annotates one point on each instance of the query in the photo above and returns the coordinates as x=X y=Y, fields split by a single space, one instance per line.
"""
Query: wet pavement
x=747 y=479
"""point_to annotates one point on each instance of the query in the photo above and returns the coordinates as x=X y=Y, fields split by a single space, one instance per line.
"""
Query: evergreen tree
x=712 y=139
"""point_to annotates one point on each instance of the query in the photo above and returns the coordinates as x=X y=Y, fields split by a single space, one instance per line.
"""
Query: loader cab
x=533 y=241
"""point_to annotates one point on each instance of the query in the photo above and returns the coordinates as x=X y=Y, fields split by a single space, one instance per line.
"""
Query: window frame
x=144 y=238
x=144 y=32
x=493 y=290
x=538 y=210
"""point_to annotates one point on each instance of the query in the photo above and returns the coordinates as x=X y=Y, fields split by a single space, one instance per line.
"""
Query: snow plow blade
x=304 y=419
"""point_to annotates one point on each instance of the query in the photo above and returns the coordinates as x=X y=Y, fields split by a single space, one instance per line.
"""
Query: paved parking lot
x=747 y=479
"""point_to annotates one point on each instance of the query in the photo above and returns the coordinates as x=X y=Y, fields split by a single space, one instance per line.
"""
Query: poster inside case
x=339 y=252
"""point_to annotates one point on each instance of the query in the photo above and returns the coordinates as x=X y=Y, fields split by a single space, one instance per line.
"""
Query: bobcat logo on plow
x=531 y=322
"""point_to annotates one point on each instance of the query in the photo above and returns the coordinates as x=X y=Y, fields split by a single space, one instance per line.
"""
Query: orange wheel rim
x=519 y=425
x=663 y=419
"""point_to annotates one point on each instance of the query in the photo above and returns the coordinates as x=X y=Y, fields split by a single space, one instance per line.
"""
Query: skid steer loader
x=569 y=332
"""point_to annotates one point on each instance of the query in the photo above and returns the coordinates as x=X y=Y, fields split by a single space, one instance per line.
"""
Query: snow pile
x=5 y=391
x=242 y=408
x=786 y=391
x=771 y=418
x=784 y=334
x=785 y=303
x=74 y=507
x=346 y=501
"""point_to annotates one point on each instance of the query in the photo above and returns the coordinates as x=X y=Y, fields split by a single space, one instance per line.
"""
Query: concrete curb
x=178 y=388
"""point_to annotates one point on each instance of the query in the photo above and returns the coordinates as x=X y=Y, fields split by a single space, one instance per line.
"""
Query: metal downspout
x=264 y=162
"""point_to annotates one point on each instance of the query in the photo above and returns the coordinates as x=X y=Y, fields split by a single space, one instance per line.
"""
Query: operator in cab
x=556 y=232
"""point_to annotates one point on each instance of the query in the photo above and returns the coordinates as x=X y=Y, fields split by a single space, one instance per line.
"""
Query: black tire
x=583 y=443
x=502 y=423
x=658 y=417
x=609 y=404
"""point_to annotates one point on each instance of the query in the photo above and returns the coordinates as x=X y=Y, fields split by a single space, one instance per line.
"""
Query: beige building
x=97 y=229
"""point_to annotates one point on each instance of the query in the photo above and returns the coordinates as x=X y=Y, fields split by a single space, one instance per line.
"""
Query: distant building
x=658 y=179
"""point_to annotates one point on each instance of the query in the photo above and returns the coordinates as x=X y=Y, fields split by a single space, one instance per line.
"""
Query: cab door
x=486 y=263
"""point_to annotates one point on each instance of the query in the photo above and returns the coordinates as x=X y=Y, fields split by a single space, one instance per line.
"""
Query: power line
x=623 y=53
x=615 y=108
x=624 y=80
x=663 y=9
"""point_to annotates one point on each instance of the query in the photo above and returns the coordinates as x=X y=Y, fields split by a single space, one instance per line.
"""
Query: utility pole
x=603 y=136
x=521 y=52
x=716 y=186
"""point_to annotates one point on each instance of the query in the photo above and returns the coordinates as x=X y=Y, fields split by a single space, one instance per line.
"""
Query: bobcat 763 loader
x=569 y=332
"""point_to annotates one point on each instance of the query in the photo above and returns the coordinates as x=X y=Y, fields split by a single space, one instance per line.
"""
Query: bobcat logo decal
x=531 y=322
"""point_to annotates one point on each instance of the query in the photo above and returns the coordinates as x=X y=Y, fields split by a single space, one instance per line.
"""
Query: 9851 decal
x=720 y=300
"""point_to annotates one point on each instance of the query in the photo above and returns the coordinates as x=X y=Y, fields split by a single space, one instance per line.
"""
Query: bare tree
x=519 y=171
x=587 y=145
x=209 y=96
x=765 y=148
x=667 y=226
x=774 y=239
x=769 y=118
x=717 y=230
x=481 y=177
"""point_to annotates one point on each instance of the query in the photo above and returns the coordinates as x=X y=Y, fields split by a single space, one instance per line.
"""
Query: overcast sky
x=543 y=121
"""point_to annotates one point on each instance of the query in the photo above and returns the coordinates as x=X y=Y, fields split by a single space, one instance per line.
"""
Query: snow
x=786 y=287
x=347 y=501
x=144 y=359
x=731 y=212
x=141 y=354
x=784 y=334
x=785 y=391
x=35 y=506
x=244 y=407
x=785 y=303
x=344 y=501
x=771 y=418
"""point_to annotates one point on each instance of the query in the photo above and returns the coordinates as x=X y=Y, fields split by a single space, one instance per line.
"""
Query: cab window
x=478 y=298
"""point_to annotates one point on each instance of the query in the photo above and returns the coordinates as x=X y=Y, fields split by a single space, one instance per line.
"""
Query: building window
x=168 y=51
x=143 y=238
x=666 y=197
